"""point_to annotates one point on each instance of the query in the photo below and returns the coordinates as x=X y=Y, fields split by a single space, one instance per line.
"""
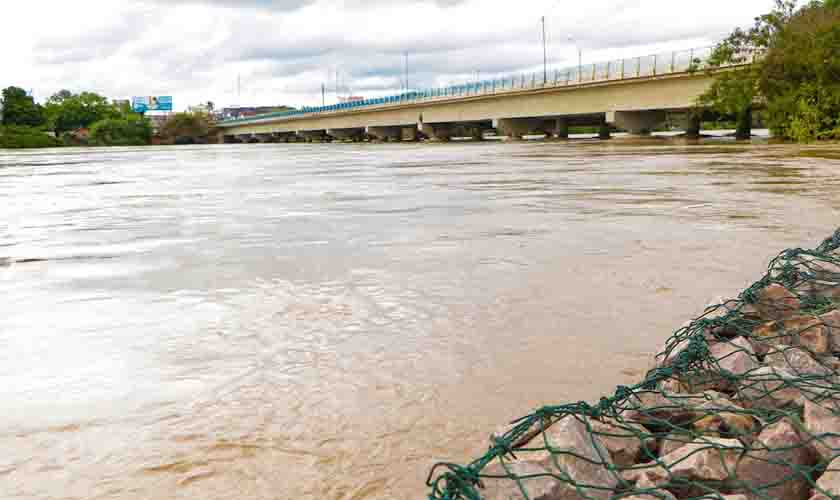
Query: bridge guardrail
x=621 y=69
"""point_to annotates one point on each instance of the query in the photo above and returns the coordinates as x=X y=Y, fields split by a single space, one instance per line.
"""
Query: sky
x=273 y=52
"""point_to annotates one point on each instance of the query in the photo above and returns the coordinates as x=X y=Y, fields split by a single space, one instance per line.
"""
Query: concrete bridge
x=635 y=95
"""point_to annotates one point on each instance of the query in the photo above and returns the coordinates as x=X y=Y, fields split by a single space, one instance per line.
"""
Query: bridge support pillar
x=410 y=134
x=385 y=134
x=313 y=135
x=347 y=134
x=636 y=122
x=561 y=129
x=439 y=132
x=743 y=130
x=692 y=125
x=604 y=130
x=283 y=137
x=516 y=128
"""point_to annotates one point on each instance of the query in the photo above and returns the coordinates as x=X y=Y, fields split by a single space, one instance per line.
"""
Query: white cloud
x=285 y=49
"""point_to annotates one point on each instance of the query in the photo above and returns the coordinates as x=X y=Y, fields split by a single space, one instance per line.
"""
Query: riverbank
x=742 y=403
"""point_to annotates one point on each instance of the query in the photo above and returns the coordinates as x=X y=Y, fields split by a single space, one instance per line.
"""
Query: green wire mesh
x=742 y=404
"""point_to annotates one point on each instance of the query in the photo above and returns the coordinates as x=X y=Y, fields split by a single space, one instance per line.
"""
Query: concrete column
x=744 y=125
x=313 y=135
x=604 y=131
x=347 y=134
x=516 y=128
x=284 y=137
x=409 y=134
x=692 y=125
x=385 y=133
x=636 y=122
x=220 y=136
x=477 y=133
x=561 y=128
x=438 y=132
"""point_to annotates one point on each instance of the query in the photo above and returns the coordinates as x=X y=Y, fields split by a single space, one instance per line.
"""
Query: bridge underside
x=636 y=105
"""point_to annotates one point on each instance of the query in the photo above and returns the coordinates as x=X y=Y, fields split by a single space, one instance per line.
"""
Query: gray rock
x=770 y=388
x=569 y=452
x=704 y=460
x=515 y=477
x=828 y=486
x=822 y=423
x=831 y=320
x=777 y=456
x=797 y=361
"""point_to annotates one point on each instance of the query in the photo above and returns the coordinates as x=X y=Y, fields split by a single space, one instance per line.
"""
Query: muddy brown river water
x=327 y=321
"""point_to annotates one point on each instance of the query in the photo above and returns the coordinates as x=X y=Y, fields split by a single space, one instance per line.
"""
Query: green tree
x=186 y=128
x=20 y=109
x=67 y=111
x=17 y=136
x=790 y=62
x=130 y=130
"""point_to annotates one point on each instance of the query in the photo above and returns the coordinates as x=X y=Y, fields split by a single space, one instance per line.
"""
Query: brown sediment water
x=327 y=321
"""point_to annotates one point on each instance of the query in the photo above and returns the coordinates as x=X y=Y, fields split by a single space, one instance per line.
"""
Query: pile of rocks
x=744 y=407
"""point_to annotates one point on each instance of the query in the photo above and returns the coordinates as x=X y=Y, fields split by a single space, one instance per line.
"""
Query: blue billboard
x=152 y=103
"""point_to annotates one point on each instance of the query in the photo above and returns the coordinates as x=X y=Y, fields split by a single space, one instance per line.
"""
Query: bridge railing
x=621 y=69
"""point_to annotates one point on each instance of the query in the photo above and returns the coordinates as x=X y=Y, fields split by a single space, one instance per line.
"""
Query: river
x=328 y=321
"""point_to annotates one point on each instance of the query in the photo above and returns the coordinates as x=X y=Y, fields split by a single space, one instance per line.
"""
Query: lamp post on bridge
x=545 y=54
x=580 y=56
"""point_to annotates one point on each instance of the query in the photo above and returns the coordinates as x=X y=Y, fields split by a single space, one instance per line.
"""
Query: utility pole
x=545 y=54
x=406 y=71
x=323 y=94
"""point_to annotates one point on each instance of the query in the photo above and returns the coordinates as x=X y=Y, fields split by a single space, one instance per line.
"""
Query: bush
x=121 y=132
x=20 y=137
x=186 y=128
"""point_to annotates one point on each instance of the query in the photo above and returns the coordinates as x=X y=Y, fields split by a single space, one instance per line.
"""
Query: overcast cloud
x=283 y=50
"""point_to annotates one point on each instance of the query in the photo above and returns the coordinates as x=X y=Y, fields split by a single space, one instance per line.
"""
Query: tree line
x=27 y=124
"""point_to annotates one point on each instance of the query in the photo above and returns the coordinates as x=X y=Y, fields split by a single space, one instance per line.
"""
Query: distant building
x=352 y=98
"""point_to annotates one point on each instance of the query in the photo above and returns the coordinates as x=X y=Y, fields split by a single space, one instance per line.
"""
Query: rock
x=735 y=357
x=797 y=361
x=676 y=345
x=828 y=486
x=675 y=441
x=776 y=302
x=770 y=388
x=728 y=425
x=773 y=462
x=623 y=441
x=831 y=320
x=809 y=332
x=822 y=422
x=571 y=452
x=645 y=490
x=711 y=461
x=532 y=477
x=658 y=407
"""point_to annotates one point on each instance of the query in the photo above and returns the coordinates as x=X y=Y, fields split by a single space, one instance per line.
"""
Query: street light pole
x=545 y=54
x=580 y=56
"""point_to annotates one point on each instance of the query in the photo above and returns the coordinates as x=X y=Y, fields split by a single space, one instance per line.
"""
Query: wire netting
x=742 y=403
